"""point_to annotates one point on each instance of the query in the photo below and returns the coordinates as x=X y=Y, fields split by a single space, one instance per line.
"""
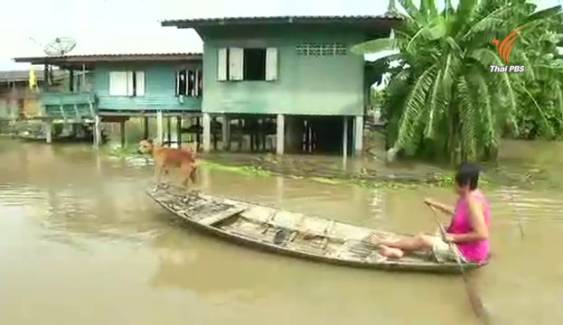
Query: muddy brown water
x=80 y=243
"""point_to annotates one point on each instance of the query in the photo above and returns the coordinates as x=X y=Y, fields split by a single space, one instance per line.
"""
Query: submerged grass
x=242 y=170
x=120 y=152
x=130 y=152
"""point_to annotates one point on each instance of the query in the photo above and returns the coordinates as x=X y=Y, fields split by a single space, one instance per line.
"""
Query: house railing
x=70 y=107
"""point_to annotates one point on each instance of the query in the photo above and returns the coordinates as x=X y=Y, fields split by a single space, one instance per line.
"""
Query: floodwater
x=80 y=243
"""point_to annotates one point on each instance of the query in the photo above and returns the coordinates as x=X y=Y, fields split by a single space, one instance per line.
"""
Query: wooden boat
x=292 y=233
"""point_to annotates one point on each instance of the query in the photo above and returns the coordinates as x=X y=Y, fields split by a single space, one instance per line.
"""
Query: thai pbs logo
x=504 y=49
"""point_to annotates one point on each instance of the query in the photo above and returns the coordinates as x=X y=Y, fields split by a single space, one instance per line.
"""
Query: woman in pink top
x=468 y=230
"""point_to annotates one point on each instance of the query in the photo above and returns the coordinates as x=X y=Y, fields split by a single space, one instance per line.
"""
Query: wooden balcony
x=68 y=107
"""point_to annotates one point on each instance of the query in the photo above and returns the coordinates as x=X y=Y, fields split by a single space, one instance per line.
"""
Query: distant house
x=115 y=87
x=297 y=71
x=17 y=100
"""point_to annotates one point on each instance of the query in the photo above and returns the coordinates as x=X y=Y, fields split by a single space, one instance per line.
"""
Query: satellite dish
x=59 y=46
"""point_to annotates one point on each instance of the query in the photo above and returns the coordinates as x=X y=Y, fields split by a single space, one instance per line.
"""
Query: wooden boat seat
x=221 y=216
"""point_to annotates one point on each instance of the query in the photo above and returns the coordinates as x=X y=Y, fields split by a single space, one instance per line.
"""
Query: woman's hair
x=467 y=175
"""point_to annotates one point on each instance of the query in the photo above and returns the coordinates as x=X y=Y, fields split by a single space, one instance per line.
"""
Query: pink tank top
x=477 y=252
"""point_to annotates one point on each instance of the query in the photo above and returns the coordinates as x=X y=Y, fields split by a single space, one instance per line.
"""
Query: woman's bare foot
x=390 y=252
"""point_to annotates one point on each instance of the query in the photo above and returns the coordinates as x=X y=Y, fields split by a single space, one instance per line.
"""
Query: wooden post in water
x=179 y=131
x=280 y=134
x=345 y=138
x=122 y=133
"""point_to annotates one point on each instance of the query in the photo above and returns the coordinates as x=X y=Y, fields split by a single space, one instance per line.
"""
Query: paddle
x=516 y=213
x=472 y=295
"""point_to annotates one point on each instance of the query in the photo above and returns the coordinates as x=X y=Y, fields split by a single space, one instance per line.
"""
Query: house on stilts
x=116 y=87
x=283 y=84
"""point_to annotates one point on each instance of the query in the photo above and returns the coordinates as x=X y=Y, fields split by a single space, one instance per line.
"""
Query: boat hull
x=367 y=257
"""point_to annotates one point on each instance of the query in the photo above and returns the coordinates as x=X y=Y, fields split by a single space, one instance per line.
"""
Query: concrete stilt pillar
x=179 y=131
x=345 y=138
x=206 y=132
x=159 y=127
x=97 y=131
x=122 y=133
x=358 y=135
x=280 y=134
x=226 y=136
x=49 y=131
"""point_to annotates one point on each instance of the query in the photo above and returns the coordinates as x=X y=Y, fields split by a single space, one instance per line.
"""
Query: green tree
x=444 y=101
x=540 y=89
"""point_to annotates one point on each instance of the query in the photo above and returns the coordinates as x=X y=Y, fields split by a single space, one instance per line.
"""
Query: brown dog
x=166 y=158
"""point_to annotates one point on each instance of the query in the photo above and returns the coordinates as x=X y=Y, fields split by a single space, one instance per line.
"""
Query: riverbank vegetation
x=443 y=101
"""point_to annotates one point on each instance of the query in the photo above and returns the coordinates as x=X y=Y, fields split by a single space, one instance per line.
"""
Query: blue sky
x=126 y=26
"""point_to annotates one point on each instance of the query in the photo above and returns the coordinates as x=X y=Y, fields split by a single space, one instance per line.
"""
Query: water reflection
x=80 y=224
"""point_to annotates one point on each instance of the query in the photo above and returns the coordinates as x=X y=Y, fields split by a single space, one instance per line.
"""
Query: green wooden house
x=295 y=71
x=116 y=87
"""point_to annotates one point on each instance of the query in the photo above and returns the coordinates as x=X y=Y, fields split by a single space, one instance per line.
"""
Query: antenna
x=59 y=46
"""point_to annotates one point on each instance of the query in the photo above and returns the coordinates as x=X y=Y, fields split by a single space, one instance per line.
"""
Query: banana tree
x=444 y=100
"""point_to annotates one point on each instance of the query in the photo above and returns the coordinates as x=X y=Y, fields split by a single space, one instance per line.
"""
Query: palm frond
x=560 y=99
x=467 y=112
x=488 y=123
x=491 y=22
x=486 y=58
x=413 y=110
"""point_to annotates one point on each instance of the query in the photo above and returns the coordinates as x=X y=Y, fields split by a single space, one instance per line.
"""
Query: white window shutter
x=118 y=83
x=236 y=63
x=129 y=82
x=222 y=64
x=140 y=83
x=271 y=64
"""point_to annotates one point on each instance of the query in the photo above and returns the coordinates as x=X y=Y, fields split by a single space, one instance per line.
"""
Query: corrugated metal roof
x=93 y=58
x=260 y=20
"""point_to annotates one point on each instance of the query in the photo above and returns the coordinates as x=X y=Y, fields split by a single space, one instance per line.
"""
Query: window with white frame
x=257 y=64
x=189 y=82
x=127 y=83
x=321 y=49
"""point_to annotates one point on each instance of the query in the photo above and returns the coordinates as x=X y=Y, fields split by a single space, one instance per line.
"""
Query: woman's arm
x=479 y=227
x=440 y=206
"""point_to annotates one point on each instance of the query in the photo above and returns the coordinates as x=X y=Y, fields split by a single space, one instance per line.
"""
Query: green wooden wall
x=306 y=85
x=160 y=88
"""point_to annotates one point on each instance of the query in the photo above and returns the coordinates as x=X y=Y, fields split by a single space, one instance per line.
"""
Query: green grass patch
x=242 y=170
